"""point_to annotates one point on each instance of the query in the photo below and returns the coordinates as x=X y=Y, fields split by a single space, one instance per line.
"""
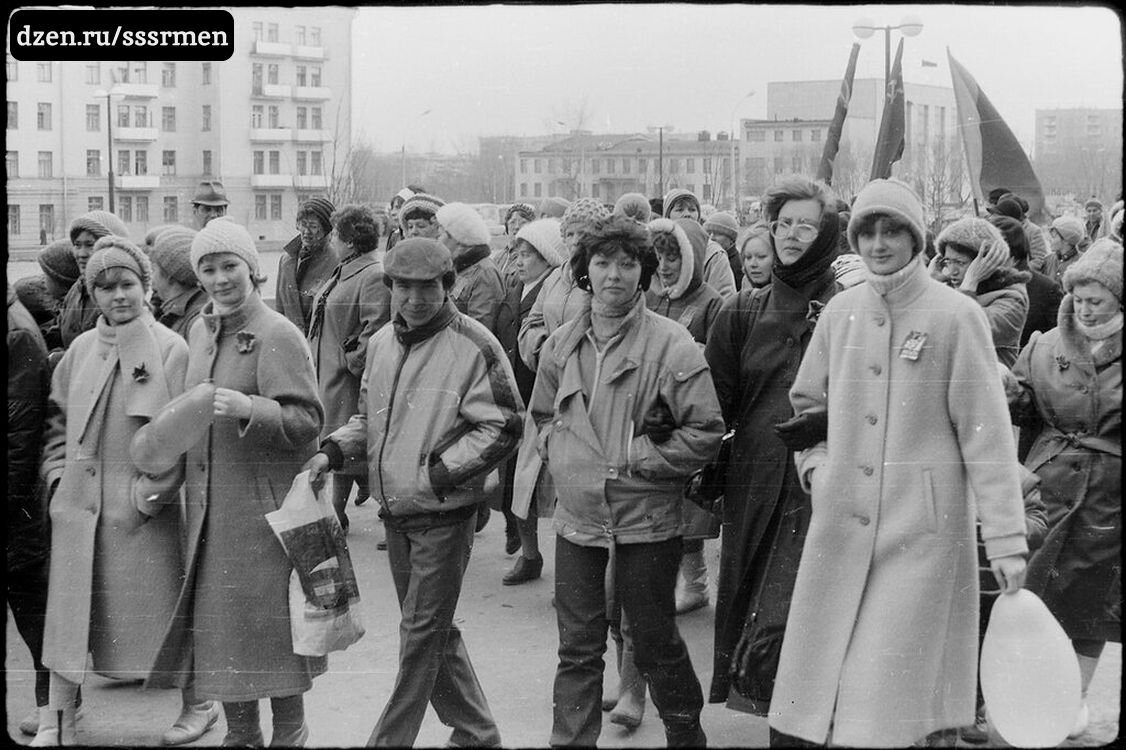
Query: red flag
x=833 y=140
x=893 y=124
x=993 y=154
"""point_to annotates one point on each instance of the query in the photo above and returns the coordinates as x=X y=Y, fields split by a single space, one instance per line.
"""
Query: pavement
x=511 y=635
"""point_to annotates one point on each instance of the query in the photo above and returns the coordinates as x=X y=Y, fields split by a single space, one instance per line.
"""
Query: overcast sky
x=516 y=70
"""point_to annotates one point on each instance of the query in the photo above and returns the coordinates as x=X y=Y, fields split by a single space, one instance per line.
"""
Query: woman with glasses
x=306 y=263
x=754 y=350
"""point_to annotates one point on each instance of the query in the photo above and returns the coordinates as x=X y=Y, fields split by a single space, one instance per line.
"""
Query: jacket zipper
x=387 y=424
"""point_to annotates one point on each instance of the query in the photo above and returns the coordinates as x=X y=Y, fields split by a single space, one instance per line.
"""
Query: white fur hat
x=544 y=236
x=464 y=224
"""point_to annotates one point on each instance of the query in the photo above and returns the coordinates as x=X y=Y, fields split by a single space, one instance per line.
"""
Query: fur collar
x=1077 y=346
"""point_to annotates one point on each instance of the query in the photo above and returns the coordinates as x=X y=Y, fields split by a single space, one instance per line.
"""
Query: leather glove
x=659 y=423
x=803 y=431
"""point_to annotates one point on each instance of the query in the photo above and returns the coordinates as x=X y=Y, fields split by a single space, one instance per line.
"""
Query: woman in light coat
x=1070 y=392
x=881 y=642
x=232 y=615
x=116 y=564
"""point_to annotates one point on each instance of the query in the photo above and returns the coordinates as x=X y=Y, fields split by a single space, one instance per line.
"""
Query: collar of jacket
x=1002 y=278
x=578 y=333
x=177 y=305
x=470 y=256
x=411 y=336
x=296 y=249
x=1076 y=346
x=908 y=283
x=229 y=323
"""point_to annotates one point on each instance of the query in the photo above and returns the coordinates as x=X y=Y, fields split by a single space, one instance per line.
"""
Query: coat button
x=1076 y=467
x=209 y=350
x=881 y=320
x=559 y=423
x=869 y=471
x=613 y=473
x=91 y=470
x=876 y=369
x=789 y=341
x=872 y=419
x=864 y=520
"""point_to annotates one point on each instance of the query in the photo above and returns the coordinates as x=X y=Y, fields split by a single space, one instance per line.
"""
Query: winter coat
x=882 y=636
x=1044 y=297
x=180 y=312
x=301 y=273
x=28 y=388
x=614 y=484
x=478 y=291
x=1055 y=265
x=559 y=301
x=717 y=270
x=116 y=563
x=77 y=314
x=690 y=301
x=231 y=627
x=765 y=511
x=1038 y=246
x=1078 y=456
x=1004 y=297
x=438 y=411
x=356 y=306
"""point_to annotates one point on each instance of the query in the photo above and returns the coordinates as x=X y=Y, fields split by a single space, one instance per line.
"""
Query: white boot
x=1087 y=666
x=56 y=728
x=694 y=573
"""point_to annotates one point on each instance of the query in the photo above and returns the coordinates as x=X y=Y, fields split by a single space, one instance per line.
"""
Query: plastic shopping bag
x=324 y=597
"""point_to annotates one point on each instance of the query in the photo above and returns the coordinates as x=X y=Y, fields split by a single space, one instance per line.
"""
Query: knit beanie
x=57 y=261
x=1101 y=263
x=223 y=235
x=554 y=207
x=706 y=211
x=635 y=206
x=1093 y=203
x=545 y=237
x=584 y=211
x=152 y=234
x=419 y=259
x=849 y=269
x=99 y=224
x=172 y=252
x=527 y=210
x=424 y=202
x=117 y=252
x=971 y=235
x=723 y=223
x=464 y=224
x=319 y=208
x=894 y=198
x=677 y=194
x=1071 y=229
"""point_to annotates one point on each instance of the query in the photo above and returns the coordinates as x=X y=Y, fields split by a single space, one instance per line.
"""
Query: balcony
x=271 y=180
x=272 y=90
x=272 y=135
x=312 y=92
x=135 y=134
x=310 y=181
x=312 y=136
x=305 y=52
x=272 y=49
x=137 y=90
x=138 y=181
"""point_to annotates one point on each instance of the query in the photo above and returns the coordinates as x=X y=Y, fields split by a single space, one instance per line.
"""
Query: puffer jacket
x=613 y=483
x=438 y=410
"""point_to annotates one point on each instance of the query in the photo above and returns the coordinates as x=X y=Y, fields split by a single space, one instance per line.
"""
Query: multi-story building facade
x=1078 y=152
x=272 y=123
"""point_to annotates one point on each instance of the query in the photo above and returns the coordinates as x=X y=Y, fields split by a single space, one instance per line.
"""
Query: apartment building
x=1078 y=152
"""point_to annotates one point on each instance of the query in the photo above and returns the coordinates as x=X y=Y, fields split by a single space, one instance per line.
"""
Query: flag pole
x=833 y=139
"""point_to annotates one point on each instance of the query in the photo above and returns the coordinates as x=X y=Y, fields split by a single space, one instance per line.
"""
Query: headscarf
x=817 y=260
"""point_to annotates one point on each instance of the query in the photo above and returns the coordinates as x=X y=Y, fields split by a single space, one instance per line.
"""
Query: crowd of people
x=917 y=425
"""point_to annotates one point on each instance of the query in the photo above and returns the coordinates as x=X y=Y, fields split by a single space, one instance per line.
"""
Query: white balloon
x=1029 y=673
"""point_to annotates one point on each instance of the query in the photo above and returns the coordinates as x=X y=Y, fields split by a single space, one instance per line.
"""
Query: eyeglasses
x=804 y=232
x=962 y=264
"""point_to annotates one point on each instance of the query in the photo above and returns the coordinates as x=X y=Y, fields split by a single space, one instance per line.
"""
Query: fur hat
x=321 y=209
x=1102 y=263
x=419 y=259
x=99 y=224
x=112 y=251
x=424 y=202
x=464 y=224
x=554 y=207
x=527 y=210
x=848 y=269
x=223 y=235
x=722 y=223
x=970 y=235
x=678 y=194
x=1093 y=203
x=582 y=211
x=894 y=198
x=172 y=252
x=57 y=261
x=211 y=193
x=635 y=206
x=1071 y=229
x=1007 y=206
x=545 y=237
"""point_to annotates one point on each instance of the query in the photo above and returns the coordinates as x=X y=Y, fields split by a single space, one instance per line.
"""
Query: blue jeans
x=644 y=578
x=427 y=567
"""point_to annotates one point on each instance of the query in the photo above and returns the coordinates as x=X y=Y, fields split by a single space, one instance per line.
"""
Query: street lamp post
x=109 y=140
x=909 y=26
x=734 y=155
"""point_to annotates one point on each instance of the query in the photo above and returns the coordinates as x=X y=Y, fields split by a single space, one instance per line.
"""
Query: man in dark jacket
x=307 y=262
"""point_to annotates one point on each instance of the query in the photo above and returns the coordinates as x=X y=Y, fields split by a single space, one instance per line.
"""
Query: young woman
x=757 y=255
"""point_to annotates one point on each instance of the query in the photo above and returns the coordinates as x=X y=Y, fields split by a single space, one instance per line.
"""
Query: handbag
x=706 y=486
x=324 y=596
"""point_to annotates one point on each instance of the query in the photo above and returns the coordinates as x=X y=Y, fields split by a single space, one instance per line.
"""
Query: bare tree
x=939 y=178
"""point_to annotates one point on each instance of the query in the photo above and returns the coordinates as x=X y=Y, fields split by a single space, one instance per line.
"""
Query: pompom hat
x=527 y=210
x=635 y=206
x=223 y=235
x=172 y=253
x=583 y=211
x=99 y=224
x=418 y=259
x=970 y=235
x=544 y=236
x=891 y=197
x=1102 y=263
x=723 y=223
x=57 y=261
x=117 y=252
x=428 y=204
x=464 y=224
x=1071 y=229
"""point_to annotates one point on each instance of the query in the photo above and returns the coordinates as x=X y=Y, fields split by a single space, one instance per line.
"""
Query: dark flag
x=994 y=156
x=893 y=124
x=833 y=141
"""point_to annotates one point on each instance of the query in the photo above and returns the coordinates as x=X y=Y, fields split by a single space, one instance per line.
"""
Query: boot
x=1087 y=666
x=609 y=700
x=290 y=729
x=192 y=723
x=243 y=728
x=56 y=728
x=685 y=734
x=694 y=573
x=630 y=707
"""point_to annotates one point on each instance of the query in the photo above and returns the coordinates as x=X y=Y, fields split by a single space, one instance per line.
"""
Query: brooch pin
x=913 y=346
x=814 y=312
x=1062 y=362
x=245 y=341
x=140 y=374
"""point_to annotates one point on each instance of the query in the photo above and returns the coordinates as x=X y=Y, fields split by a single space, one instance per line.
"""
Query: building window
x=93 y=163
x=140 y=72
x=122 y=115
x=625 y=166
x=43 y=72
x=13 y=220
x=707 y=192
x=205 y=119
x=523 y=188
x=537 y=166
x=523 y=166
x=777 y=165
x=275 y=206
x=205 y=74
x=256 y=78
x=315 y=75
x=302 y=165
x=46 y=164
x=13 y=115
x=596 y=166
x=94 y=74
x=795 y=135
x=756 y=136
x=610 y=166
x=125 y=208
x=168 y=163
x=795 y=164
x=271 y=32
x=141 y=162
x=299 y=34
x=95 y=203
x=301 y=75
x=272 y=73
x=123 y=162
x=272 y=116
x=259 y=162
x=275 y=162
x=13 y=70
x=47 y=218
x=168 y=75
x=43 y=116
x=256 y=113
x=168 y=119
x=707 y=166
x=171 y=210
x=316 y=165
x=315 y=36
x=316 y=118
x=538 y=189
x=256 y=29
x=140 y=116
x=120 y=74
x=642 y=165
x=207 y=162
x=815 y=135
x=142 y=209
x=674 y=166
x=93 y=118
x=12 y=163
x=260 y=207
x=302 y=117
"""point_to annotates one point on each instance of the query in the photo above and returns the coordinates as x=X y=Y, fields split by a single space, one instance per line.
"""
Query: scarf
x=885 y=284
x=408 y=336
x=817 y=259
x=1102 y=338
x=607 y=321
x=316 y=320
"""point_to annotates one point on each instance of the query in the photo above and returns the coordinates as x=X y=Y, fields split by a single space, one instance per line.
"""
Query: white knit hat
x=544 y=236
x=894 y=198
x=223 y=235
x=464 y=224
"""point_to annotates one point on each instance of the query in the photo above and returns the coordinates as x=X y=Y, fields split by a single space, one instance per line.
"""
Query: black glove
x=803 y=431
x=659 y=423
